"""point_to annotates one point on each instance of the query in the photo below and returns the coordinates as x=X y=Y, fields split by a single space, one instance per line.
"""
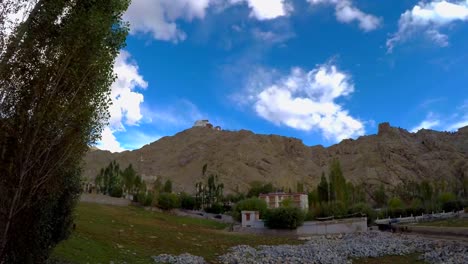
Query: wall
x=310 y=228
x=344 y=226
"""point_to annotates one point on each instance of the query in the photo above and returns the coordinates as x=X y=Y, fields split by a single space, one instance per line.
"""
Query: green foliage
x=395 y=203
x=167 y=186
x=187 y=201
x=117 y=192
x=216 y=208
x=323 y=189
x=284 y=218
x=338 y=191
x=250 y=204
x=300 y=187
x=168 y=201
x=257 y=188
x=380 y=197
x=288 y=202
x=234 y=198
x=313 y=199
x=446 y=197
x=209 y=193
x=56 y=71
x=338 y=209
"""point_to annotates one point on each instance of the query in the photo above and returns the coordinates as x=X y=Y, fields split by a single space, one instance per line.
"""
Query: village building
x=274 y=200
x=206 y=123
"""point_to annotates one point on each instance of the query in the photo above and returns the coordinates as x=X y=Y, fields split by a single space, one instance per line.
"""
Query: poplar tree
x=56 y=70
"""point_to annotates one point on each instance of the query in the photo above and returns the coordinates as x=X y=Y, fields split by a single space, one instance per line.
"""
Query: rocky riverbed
x=338 y=249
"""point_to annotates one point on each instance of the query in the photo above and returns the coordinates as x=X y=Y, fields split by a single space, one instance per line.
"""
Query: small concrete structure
x=252 y=219
x=274 y=200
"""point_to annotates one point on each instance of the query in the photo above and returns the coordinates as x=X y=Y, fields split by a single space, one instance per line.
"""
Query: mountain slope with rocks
x=392 y=156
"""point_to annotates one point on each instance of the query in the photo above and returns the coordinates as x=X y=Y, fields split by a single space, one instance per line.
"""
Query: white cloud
x=306 y=101
x=158 y=17
x=346 y=12
x=430 y=122
x=109 y=142
x=265 y=10
x=180 y=114
x=126 y=102
x=429 y=18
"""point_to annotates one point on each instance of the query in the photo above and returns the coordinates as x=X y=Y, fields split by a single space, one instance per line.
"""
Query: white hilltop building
x=206 y=123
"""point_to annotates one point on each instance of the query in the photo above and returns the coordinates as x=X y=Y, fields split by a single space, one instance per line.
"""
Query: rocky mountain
x=392 y=156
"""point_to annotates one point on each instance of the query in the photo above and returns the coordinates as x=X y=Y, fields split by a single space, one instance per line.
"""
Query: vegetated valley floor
x=132 y=235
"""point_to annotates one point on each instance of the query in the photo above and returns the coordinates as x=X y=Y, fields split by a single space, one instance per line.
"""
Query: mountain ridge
x=391 y=156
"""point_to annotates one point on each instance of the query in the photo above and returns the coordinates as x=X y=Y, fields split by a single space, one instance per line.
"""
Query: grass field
x=447 y=223
x=131 y=234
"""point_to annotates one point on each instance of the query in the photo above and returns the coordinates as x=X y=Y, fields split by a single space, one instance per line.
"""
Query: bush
x=117 y=192
x=187 y=202
x=168 y=201
x=452 y=206
x=284 y=218
x=252 y=204
x=338 y=209
x=216 y=208
x=363 y=208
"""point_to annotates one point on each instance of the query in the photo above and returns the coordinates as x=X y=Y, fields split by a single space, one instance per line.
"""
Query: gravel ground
x=338 y=249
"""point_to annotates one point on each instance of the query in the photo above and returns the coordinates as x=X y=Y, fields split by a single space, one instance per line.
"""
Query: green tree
x=250 y=204
x=338 y=191
x=380 y=197
x=257 y=188
x=55 y=76
x=167 y=186
x=284 y=218
x=323 y=189
x=168 y=201
x=128 y=179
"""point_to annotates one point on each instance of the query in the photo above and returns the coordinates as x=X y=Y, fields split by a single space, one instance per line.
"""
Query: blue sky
x=318 y=70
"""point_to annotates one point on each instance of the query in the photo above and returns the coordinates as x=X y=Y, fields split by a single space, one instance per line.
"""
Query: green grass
x=131 y=234
x=409 y=259
x=447 y=223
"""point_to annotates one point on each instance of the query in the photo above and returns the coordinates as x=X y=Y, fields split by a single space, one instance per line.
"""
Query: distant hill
x=390 y=157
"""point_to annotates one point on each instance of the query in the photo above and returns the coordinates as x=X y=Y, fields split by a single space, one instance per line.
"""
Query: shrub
x=187 y=201
x=251 y=204
x=216 y=208
x=168 y=201
x=117 y=192
x=284 y=218
x=363 y=208
x=338 y=209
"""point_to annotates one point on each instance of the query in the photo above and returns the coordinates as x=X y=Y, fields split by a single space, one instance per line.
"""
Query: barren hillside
x=391 y=156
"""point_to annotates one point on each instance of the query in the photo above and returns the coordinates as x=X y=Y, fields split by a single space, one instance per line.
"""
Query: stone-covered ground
x=338 y=249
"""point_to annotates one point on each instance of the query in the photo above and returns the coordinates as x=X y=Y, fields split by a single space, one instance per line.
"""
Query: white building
x=274 y=200
x=202 y=123
x=252 y=219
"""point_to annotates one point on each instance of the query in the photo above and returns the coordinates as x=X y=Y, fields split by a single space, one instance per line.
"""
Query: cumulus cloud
x=159 y=18
x=346 y=12
x=126 y=101
x=264 y=10
x=429 y=18
x=307 y=101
